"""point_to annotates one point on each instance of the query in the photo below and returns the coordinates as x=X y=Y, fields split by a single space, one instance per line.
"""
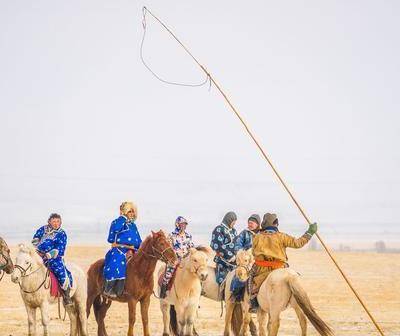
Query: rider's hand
x=312 y=229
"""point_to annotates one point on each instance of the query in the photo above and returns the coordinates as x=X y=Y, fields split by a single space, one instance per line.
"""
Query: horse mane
x=205 y=249
x=31 y=250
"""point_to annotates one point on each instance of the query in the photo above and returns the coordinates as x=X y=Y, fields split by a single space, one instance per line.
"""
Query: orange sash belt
x=122 y=245
x=270 y=263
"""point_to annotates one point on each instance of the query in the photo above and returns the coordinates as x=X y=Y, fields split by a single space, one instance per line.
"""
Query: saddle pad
x=171 y=281
x=54 y=286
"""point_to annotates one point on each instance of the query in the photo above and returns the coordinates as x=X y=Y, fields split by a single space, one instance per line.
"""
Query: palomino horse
x=6 y=264
x=244 y=261
x=139 y=282
x=32 y=276
x=183 y=298
x=280 y=290
x=211 y=291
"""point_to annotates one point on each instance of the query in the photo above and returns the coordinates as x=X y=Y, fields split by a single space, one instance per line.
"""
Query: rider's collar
x=271 y=229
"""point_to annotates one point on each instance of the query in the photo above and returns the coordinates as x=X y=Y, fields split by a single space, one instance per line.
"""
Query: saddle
x=171 y=281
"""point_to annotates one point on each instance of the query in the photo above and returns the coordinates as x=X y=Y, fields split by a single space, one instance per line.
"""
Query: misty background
x=84 y=126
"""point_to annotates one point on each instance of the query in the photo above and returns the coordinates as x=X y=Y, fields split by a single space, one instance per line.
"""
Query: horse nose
x=14 y=277
x=204 y=276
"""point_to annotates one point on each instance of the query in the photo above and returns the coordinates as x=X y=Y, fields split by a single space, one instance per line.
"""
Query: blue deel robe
x=54 y=242
x=121 y=232
x=244 y=240
x=222 y=242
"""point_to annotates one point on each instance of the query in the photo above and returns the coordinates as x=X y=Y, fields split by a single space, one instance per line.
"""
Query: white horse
x=179 y=308
x=280 y=290
x=31 y=273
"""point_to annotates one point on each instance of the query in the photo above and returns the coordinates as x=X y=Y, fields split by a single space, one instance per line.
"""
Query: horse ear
x=153 y=233
x=192 y=250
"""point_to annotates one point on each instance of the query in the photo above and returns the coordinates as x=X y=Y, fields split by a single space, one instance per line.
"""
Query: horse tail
x=304 y=303
x=173 y=323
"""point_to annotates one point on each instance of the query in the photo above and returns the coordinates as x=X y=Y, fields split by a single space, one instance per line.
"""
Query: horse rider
x=244 y=241
x=269 y=250
x=181 y=242
x=124 y=238
x=50 y=242
x=223 y=243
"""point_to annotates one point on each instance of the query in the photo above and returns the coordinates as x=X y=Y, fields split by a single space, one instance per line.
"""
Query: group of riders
x=268 y=246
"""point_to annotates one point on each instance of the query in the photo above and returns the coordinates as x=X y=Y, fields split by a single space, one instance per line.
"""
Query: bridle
x=24 y=275
x=161 y=254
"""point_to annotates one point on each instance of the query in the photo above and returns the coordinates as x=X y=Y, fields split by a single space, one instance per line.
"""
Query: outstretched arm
x=289 y=241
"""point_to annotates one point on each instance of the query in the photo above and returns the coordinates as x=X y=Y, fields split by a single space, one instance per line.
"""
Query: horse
x=6 y=264
x=139 y=282
x=32 y=275
x=179 y=307
x=211 y=290
x=244 y=261
x=280 y=290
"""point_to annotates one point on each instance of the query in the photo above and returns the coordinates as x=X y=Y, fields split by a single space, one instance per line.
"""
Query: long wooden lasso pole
x=264 y=155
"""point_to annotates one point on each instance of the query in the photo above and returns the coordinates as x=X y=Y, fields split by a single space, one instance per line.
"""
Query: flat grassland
x=375 y=276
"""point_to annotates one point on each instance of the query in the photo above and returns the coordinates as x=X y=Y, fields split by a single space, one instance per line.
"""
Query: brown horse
x=6 y=263
x=139 y=282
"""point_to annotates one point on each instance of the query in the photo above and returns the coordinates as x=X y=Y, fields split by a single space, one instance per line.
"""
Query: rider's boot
x=66 y=297
x=163 y=290
x=119 y=287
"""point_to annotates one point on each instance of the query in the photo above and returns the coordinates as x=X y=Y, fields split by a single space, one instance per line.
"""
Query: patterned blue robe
x=222 y=242
x=121 y=232
x=244 y=240
x=53 y=243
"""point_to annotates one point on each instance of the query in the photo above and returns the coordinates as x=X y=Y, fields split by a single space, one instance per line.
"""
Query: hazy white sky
x=83 y=125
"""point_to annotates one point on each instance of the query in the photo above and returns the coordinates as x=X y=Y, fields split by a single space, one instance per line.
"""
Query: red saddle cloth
x=171 y=281
x=55 y=290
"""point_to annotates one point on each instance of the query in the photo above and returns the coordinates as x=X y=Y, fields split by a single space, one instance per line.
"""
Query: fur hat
x=125 y=207
x=268 y=220
x=255 y=218
x=180 y=220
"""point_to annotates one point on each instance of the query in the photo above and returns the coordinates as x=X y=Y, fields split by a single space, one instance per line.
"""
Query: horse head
x=6 y=263
x=161 y=248
x=197 y=261
x=244 y=262
x=26 y=261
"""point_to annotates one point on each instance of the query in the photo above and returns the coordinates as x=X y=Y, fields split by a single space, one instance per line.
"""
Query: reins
x=24 y=275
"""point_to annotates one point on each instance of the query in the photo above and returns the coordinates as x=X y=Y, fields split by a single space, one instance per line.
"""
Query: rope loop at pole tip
x=144 y=24
x=263 y=153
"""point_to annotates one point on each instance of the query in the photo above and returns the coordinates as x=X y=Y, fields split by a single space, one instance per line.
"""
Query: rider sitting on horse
x=50 y=242
x=269 y=250
x=124 y=238
x=223 y=243
x=181 y=242
x=244 y=241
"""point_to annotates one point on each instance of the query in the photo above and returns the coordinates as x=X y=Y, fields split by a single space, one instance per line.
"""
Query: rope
x=265 y=156
x=2 y=274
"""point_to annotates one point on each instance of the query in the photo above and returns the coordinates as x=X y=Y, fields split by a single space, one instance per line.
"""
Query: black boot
x=119 y=287
x=163 y=291
x=254 y=305
x=66 y=297
x=109 y=288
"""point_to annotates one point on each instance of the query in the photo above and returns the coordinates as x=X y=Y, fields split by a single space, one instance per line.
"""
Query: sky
x=85 y=126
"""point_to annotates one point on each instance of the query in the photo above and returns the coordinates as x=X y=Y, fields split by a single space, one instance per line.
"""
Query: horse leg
x=31 y=320
x=190 y=315
x=273 y=323
x=262 y=319
x=100 y=310
x=302 y=319
x=73 y=320
x=144 y=311
x=180 y=317
x=166 y=318
x=132 y=315
x=82 y=319
x=228 y=316
x=44 y=311
x=244 y=330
